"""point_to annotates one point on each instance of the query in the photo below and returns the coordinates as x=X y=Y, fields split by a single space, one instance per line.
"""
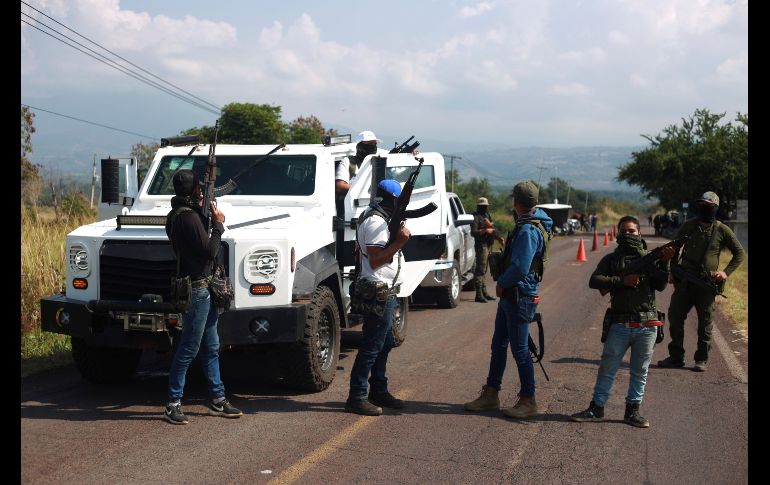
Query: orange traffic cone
x=606 y=241
x=595 y=246
x=612 y=234
x=581 y=255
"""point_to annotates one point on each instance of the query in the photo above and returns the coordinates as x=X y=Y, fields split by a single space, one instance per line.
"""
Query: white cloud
x=571 y=89
x=639 y=81
x=269 y=37
x=594 y=54
x=671 y=19
x=619 y=38
x=736 y=68
x=491 y=75
x=476 y=10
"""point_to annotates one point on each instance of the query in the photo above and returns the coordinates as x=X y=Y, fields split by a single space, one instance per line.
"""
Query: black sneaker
x=362 y=406
x=593 y=413
x=225 y=409
x=174 y=414
x=669 y=362
x=700 y=366
x=386 y=400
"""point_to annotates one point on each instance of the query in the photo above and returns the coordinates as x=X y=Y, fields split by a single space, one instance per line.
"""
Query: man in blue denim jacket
x=196 y=251
x=517 y=287
x=633 y=320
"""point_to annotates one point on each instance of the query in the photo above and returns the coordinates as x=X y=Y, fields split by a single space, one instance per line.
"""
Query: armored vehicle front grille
x=129 y=269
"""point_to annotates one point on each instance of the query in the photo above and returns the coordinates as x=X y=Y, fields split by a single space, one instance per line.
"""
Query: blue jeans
x=619 y=338
x=376 y=342
x=512 y=326
x=199 y=333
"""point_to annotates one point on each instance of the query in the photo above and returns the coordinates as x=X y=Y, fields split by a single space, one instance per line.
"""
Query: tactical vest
x=631 y=300
x=697 y=262
x=369 y=212
x=170 y=223
x=539 y=261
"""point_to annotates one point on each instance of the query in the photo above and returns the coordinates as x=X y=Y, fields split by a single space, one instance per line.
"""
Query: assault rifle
x=210 y=179
x=716 y=288
x=537 y=354
x=406 y=147
x=647 y=262
x=400 y=214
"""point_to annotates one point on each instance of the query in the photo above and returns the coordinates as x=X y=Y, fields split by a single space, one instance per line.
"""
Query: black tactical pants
x=686 y=296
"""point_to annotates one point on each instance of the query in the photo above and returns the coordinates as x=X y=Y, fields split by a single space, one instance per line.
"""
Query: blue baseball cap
x=390 y=186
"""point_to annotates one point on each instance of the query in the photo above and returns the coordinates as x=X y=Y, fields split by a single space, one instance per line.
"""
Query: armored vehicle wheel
x=104 y=365
x=400 y=314
x=311 y=364
x=446 y=296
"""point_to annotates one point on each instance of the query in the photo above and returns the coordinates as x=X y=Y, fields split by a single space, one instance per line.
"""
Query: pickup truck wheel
x=104 y=365
x=312 y=363
x=400 y=314
x=446 y=296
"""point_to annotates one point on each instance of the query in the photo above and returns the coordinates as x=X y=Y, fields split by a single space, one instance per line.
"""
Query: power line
x=91 y=122
x=114 y=64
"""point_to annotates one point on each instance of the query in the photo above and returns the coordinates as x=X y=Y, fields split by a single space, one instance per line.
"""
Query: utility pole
x=539 y=177
x=452 y=169
x=568 y=189
x=93 y=182
x=585 y=209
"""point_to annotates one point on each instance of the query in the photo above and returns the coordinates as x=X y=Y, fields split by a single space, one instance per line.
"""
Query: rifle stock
x=648 y=261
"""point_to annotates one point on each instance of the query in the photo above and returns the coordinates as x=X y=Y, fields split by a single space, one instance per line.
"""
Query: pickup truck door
x=428 y=234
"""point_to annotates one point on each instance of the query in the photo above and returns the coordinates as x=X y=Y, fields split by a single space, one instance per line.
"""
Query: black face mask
x=630 y=243
x=364 y=149
x=707 y=213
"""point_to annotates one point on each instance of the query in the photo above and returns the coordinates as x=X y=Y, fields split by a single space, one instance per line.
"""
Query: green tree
x=685 y=161
x=308 y=130
x=31 y=181
x=143 y=154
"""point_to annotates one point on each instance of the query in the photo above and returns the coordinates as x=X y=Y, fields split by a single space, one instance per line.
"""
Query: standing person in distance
x=196 y=252
x=524 y=262
x=633 y=321
x=483 y=232
x=380 y=268
x=700 y=257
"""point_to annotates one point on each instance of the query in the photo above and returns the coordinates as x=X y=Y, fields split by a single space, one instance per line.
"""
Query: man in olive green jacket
x=700 y=259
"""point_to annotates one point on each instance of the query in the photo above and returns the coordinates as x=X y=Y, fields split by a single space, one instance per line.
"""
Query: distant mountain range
x=64 y=154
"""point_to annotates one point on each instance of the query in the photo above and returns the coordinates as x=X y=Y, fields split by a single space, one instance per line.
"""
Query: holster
x=511 y=294
x=606 y=323
x=659 y=338
x=370 y=297
x=181 y=293
x=495 y=263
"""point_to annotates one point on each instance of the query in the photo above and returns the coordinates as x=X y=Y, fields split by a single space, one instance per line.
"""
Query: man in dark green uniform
x=483 y=232
x=699 y=259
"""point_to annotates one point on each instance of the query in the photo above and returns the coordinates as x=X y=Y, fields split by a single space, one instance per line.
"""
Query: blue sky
x=503 y=73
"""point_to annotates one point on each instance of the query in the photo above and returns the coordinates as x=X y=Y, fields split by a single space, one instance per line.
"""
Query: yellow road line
x=295 y=471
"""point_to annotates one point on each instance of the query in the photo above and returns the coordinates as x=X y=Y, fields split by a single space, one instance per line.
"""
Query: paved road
x=73 y=432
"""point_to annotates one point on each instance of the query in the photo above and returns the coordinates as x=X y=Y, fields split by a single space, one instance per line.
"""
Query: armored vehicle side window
x=426 y=178
x=277 y=175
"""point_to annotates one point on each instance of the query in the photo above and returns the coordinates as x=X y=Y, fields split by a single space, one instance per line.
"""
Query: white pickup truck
x=286 y=249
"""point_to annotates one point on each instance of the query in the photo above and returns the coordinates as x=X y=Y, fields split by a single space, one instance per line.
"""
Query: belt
x=201 y=283
x=650 y=323
x=634 y=317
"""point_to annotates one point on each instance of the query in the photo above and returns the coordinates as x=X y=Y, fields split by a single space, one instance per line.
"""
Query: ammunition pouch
x=370 y=297
x=495 y=261
x=181 y=293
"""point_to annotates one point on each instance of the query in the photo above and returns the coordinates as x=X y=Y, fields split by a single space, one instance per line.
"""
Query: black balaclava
x=707 y=212
x=364 y=149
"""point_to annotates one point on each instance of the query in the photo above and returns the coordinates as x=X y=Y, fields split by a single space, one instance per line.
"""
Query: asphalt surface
x=74 y=432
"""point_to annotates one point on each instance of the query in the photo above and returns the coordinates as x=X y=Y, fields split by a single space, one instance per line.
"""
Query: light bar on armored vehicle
x=180 y=140
x=337 y=140
x=134 y=220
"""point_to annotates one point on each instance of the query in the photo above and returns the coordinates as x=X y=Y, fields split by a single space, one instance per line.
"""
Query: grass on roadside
x=736 y=306
x=44 y=350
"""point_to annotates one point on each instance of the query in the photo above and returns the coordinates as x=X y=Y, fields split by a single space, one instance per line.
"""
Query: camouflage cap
x=482 y=201
x=710 y=198
x=526 y=193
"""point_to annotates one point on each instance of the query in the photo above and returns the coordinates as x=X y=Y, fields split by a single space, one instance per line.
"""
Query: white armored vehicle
x=287 y=248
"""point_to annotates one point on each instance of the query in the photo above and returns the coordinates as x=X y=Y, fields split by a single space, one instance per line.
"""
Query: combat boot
x=480 y=291
x=525 y=408
x=487 y=401
x=484 y=292
x=633 y=417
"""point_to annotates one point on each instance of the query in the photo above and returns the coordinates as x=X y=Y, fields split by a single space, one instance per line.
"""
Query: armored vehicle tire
x=104 y=365
x=311 y=363
x=400 y=314
x=446 y=296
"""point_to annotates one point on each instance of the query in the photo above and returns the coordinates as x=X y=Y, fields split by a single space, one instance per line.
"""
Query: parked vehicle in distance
x=455 y=267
